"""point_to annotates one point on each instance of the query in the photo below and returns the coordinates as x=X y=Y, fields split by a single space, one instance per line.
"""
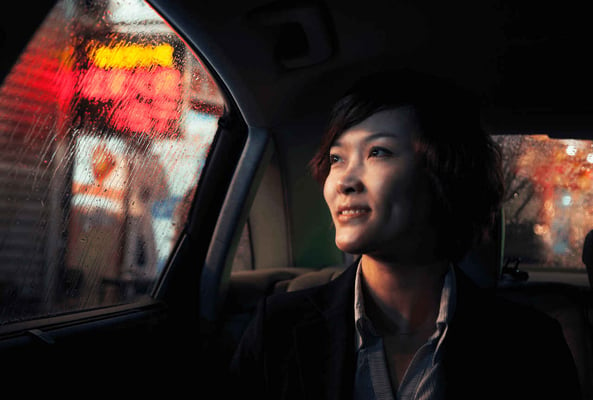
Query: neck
x=402 y=299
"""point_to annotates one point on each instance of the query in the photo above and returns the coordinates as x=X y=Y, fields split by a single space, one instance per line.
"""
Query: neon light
x=160 y=84
x=141 y=100
x=129 y=56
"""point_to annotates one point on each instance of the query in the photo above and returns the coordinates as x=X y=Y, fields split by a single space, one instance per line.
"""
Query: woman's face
x=378 y=196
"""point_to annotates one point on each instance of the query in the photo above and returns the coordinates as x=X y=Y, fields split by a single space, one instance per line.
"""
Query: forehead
x=400 y=123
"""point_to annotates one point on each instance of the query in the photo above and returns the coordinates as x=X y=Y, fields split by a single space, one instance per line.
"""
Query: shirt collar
x=446 y=311
x=448 y=298
x=364 y=327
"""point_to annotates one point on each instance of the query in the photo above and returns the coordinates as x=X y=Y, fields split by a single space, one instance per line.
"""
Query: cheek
x=327 y=191
x=425 y=200
x=411 y=202
x=397 y=195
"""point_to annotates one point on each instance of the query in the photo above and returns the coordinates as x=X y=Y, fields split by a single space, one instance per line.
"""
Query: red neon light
x=37 y=84
x=139 y=100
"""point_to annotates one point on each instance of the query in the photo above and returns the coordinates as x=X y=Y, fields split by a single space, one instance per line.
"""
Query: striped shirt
x=423 y=379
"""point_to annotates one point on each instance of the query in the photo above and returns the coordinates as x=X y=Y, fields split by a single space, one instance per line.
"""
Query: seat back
x=315 y=278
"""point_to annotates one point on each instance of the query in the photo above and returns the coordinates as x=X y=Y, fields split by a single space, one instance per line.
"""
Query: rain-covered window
x=106 y=121
x=549 y=201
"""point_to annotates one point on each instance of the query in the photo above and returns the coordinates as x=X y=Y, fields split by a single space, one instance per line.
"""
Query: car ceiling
x=526 y=59
x=529 y=59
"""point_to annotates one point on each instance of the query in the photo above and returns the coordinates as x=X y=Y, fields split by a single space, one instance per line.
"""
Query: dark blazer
x=300 y=345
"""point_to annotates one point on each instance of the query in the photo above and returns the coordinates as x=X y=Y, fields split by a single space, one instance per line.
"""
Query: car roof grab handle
x=302 y=33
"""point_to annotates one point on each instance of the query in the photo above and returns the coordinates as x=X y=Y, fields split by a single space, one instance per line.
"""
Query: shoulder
x=518 y=312
x=313 y=302
x=484 y=306
x=510 y=321
x=523 y=321
x=536 y=350
x=271 y=331
x=521 y=348
x=281 y=312
x=503 y=326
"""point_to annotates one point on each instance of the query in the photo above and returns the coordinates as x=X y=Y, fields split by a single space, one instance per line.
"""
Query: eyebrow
x=371 y=137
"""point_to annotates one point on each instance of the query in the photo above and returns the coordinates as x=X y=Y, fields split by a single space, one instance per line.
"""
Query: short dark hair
x=462 y=161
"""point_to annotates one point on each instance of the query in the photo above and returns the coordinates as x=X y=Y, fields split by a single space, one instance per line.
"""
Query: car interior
x=257 y=223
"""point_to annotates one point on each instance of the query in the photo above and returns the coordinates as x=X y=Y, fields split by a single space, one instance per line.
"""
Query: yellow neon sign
x=129 y=56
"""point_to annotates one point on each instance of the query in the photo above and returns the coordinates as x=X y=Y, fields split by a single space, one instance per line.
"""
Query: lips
x=352 y=212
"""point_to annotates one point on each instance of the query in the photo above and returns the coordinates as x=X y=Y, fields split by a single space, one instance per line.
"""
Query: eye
x=380 y=152
x=334 y=158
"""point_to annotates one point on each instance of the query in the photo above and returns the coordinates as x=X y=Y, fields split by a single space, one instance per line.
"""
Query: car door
x=126 y=169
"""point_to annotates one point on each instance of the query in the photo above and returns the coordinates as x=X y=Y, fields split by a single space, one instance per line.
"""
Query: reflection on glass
x=106 y=121
x=549 y=200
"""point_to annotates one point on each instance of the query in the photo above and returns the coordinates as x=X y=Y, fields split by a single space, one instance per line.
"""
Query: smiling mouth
x=349 y=213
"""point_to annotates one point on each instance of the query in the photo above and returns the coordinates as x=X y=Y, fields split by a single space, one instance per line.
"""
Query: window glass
x=549 y=201
x=106 y=121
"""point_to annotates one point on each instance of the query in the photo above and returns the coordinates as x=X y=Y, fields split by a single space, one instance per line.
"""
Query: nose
x=350 y=182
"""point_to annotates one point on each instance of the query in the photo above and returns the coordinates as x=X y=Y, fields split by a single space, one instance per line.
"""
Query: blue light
x=566 y=200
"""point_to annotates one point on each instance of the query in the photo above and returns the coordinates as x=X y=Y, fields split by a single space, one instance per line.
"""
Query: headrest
x=483 y=264
x=316 y=278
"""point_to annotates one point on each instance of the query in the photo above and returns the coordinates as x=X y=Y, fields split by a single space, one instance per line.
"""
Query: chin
x=350 y=247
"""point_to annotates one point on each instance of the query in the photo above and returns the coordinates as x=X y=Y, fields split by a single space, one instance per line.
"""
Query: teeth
x=352 y=212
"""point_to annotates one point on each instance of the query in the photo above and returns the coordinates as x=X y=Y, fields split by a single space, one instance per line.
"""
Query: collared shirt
x=423 y=379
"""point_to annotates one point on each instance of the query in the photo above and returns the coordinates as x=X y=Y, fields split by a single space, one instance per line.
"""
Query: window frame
x=183 y=268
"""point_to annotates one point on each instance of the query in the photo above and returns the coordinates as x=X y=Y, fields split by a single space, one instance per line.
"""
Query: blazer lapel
x=325 y=341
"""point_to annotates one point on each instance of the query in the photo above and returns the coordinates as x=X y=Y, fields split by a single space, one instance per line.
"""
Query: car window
x=106 y=121
x=548 y=206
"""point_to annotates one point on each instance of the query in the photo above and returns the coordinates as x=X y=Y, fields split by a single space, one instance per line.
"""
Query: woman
x=412 y=183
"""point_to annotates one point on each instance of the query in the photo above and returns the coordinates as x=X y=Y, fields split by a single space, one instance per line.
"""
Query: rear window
x=106 y=122
x=548 y=208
